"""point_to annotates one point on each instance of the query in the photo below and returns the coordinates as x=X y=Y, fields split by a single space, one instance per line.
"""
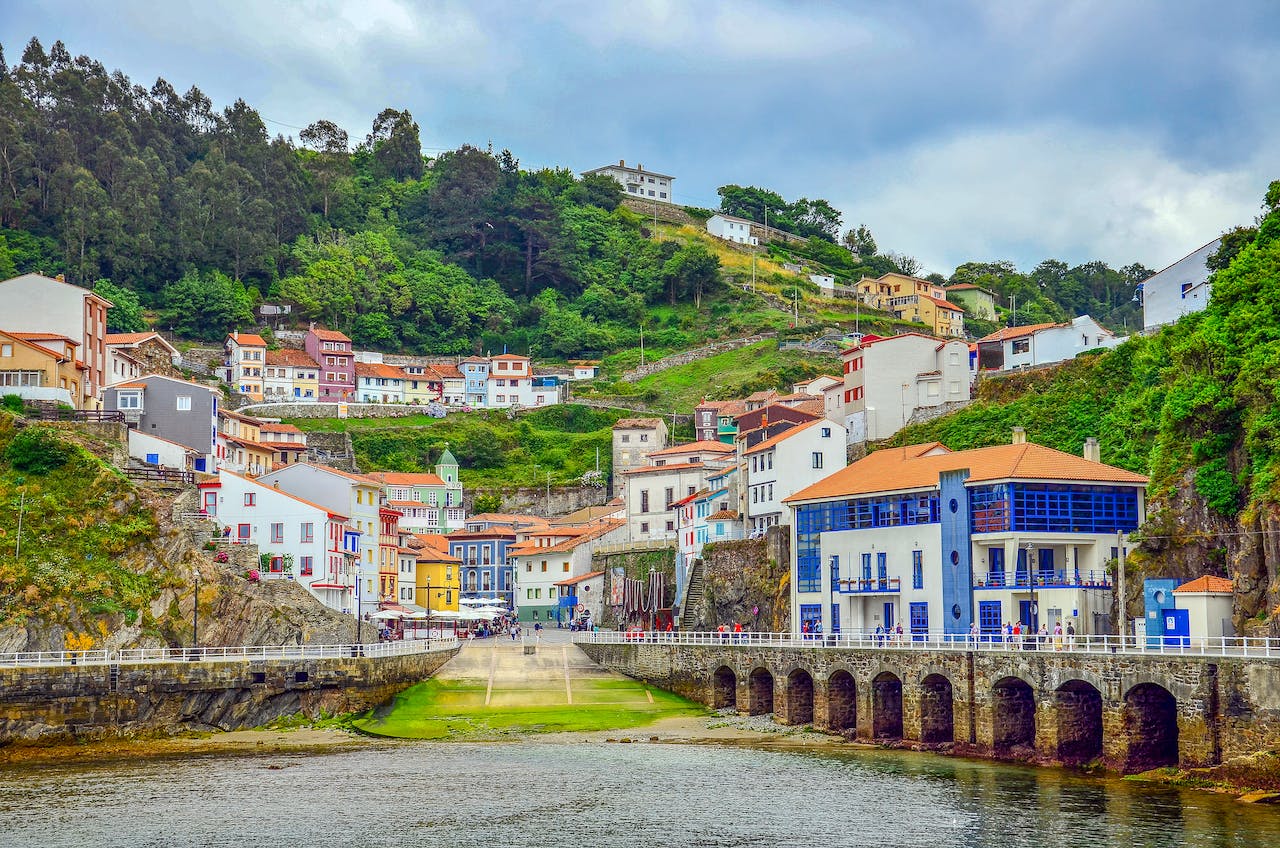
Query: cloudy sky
x=1116 y=130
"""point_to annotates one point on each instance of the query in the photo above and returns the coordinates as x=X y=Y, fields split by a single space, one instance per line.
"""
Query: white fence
x=1229 y=646
x=143 y=656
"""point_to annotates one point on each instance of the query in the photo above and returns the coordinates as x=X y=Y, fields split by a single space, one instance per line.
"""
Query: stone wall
x=747 y=581
x=635 y=564
x=1126 y=712
x=329 y=410
x=533 y=499
x=126 y=700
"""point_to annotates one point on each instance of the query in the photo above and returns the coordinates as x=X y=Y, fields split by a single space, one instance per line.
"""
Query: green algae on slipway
x=457 y=709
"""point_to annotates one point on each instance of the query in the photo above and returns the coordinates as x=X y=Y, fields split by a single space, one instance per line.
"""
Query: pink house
x=332 y=350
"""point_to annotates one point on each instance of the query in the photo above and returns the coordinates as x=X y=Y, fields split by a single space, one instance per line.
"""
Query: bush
x=12 y=403
x=37 y=450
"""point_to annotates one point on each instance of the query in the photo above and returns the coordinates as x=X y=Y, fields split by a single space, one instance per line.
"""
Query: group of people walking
x=1062 y=638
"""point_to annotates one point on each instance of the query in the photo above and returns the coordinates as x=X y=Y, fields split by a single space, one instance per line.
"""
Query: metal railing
x=47 y=413
x=144 y=656
x=1216 y=646
x=1042 y=580
x=161 y=475
x=865 y=585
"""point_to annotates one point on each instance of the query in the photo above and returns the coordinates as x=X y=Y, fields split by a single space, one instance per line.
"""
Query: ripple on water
x=596 y=795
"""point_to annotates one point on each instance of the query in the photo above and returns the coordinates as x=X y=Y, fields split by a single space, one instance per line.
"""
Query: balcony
x=1043 y=580
x=877 y=586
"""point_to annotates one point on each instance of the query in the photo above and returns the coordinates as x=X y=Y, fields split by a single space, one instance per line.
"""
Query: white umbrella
x=491 y=610
x=471 y=602
x=384 y=615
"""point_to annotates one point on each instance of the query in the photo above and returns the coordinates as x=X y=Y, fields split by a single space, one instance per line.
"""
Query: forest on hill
x=187 y=217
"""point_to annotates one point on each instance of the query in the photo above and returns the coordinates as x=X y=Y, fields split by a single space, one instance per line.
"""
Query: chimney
x=622 y=163
x=639 y=167
x=235 y=334
x=1092 y=450
x=1019 y=435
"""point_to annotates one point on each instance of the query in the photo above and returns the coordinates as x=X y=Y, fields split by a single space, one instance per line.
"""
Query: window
x=528 y=567
x=1022 y=345
x=544 y=565
x=817 y=459
x=770 y=459
x=308 y=532
x=644 y=527
x=644 y=500
x=242 y=532
x=565 y=567
x=989 y=617
x=626 y=437
x=917 y=569
x=307 y=566
x=184 y=403
x=671 y=525
x=250 y=499
x=919 y=620
x=670 y=496
x=277 y=533
x=6 y=350
x=644 y=437
x=826 y=432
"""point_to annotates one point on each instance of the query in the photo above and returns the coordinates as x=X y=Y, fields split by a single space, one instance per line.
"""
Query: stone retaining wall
x=126 y=700
x=330 y=410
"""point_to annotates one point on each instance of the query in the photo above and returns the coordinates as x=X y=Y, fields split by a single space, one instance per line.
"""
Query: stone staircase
x=691 y=609
x=332 y=449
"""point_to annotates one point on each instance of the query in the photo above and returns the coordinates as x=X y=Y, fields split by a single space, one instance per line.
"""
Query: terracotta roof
x=694 y=447
x=783 y=436
x=723 y=515
x=269 y=427
x=905 y=468
x=292 y=358
x=596 y=531
x=730 y=408
x=675 y=466
x=764 y=394
x=135 y=339
x=447 y=372
x=969 y=287
x=17 y=337
x=396 y=478
x=499 y=530
x=1006 y=333
x=942 y=304
x=129 y=386
x=870 y=339
x=379 y=369
x=436 y=541
x=509 y=356
x=329 y=335
x=1207 y=583
x=638 y=423
x=475 y=360
x=248 y=340
x=575 y=580
x=42 y=337
x=250 y=443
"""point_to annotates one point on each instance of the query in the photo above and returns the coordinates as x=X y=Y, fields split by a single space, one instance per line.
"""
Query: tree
x=330 y=164
x=908 y=265
x=125 y=314
x=205 y=306
x=486 y=503
x=395 y=144
x=860 y=241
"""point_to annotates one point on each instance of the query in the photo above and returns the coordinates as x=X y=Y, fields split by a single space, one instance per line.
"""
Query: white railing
x=141 y=656
x=1218 y=646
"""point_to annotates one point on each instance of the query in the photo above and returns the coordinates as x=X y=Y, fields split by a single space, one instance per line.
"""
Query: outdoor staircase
x=690 y=610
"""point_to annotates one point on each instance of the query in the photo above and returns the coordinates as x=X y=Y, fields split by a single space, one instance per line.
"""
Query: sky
x=1119 y=130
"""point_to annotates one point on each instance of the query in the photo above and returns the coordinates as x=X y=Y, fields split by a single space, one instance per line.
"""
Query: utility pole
x=641 y=344
x=1120 y=604
x=548 y=494
x=1013 y=310
x=22 y=508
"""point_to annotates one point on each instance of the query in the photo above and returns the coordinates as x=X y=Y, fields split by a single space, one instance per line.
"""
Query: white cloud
x=1059 y=191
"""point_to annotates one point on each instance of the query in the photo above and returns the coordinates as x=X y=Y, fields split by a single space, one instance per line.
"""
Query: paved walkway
x=546 y=675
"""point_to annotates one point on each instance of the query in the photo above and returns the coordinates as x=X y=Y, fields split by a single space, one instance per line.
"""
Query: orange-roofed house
x=633 y=440
x=650 y=491
x=34 y=303
x=298 y=538
x=914 y=299
x=38 y=367
x=782 y=465
x=332 y=351
x=888 y=380
x=1204 y=606
x=246 y=359
x=423 y=384
x=291 y=376
x=939 y=540
x=547 y=559
x=1042 y=344
x=377 y=382
x=429 y=503
x=354 y=495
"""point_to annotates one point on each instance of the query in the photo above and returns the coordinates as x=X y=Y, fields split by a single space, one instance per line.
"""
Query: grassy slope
x=437 y=709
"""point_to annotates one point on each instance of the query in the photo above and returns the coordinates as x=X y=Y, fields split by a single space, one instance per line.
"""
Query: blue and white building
x=475 y=381
x=936 y=539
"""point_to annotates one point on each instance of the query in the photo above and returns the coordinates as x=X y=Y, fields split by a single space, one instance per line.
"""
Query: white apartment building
x=513 y=383
x=379 y=383
x=1178 y=290
x=637 y=182
x=303 y=540
x=651 y=491
x=886 y=379
x=246 y=357
x=784 y=464
x=633 y=440
x=353 y=495
x=550 y=557
x=940 y=540
x=729 y=228
x=1042 y=344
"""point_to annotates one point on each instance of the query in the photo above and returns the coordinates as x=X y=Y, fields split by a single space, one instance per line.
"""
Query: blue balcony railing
x=869 y=586
x=1043 y=580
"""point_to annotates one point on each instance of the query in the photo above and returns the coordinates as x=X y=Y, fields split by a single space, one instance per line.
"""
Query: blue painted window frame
x=989 y=623
x=917 y=569
x=919 y=619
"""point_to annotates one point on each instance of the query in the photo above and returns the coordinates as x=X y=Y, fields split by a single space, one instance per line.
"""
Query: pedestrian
x=879 y=635
x=1057 y=636
x=973 y=634
x=737 y=631
x=724 y=633
x=1043 y=636
x=807 y=629
x=897 y=633
x=1008 y=632
x=1071 y=635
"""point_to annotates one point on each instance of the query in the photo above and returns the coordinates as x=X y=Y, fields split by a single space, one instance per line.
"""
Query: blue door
x=995 y=576
x=1047 y=571
x=200 y=464
x=1020 y=576
x=1028 y=616
x=882 y=570
x=888 y=615
x=1177 y=628
x=989 y=619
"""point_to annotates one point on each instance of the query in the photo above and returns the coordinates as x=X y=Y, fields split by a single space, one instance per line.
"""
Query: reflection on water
x=587 y=795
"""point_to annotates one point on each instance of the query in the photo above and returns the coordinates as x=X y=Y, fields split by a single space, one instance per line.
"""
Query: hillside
x=1196 y=406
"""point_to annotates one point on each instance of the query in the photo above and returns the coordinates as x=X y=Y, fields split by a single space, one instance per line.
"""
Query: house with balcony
x=651 y=491
x=438 y=578
x=475 y=374
x=453 y=384
x=782 y=465
x=556 y=558
x=246 y=359
x=428 y=503
x=1010 y=348
x=482 y=546
x=299 y=540
x=34 y=303
x=343 y=492
x=42 y=367
x=939 y=540
x=637 y=182
x=887 y=380
x=332 y=352
x=174 y=410
x=291 y=376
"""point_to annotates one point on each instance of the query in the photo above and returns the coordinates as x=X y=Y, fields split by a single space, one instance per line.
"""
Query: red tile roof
x=942 y=304
x=694 y=447
x=447 y=372
x=395 y=478
x=1006 y=333
x=917 y=467
x=379 y=369
x=329 y=335
x=782 y=437
x=575 y=580
x=248 y=340
x=292 y=358
x=1207 y=583
x=671 y=466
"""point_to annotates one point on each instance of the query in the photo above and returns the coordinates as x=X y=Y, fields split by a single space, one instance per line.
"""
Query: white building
x=513 y=383
x=937 y=540
x=301 y=540
x=1178 y=290
x=638 y=182
x=1209 y=602
x=246 y=357
x=650 y=491
x=784 y=464
x=341 y=492
x=633 y=440
x=826 y=282
x=1042 y=344
x=730 y=228
x=886 y=379
x=550 y=557
x=154 y=450
x=379 y=383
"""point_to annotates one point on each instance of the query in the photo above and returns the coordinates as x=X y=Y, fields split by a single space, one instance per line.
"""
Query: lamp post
x=195 y=614
x=1035 y=618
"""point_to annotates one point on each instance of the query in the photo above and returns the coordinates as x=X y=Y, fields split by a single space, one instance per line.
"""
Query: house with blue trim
x=936 y=540
x=482 y=547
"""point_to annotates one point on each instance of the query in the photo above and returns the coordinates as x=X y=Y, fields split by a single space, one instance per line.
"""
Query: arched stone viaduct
x=1128 y=712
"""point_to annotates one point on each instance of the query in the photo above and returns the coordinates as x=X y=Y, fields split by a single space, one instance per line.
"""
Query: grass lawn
x=440 y=709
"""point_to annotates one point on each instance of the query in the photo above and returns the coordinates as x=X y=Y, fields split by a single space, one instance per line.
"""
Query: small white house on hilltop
x=1043 y=344
x=638 y=182
x=730 y=228
x=1178 y=290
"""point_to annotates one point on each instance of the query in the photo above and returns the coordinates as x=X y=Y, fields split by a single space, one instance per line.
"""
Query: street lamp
x=195 y=615
x=1035 y=617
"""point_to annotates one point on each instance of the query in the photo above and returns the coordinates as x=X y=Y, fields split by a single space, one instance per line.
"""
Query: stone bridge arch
x=797 y=700
x=842 y=700
x=760 y=691
x=1149 y=719
x=937 y=709
x=1078 y=714
x=886 y=705
x=724 y=688
x=1013 y=718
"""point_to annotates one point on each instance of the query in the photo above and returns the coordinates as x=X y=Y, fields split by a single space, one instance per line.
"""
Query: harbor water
x=591 y=795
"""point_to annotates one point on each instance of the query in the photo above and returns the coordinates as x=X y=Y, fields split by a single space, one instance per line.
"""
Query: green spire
x=447 y=466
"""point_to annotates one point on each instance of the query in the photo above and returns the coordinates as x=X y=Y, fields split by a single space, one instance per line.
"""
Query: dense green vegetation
x=82 y=530
x=456 y=709
x=1200 y=396
x=494 y=450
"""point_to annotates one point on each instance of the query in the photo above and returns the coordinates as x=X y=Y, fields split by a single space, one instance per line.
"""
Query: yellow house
x=422 y=385
x=41 y=366
x=438 y=578
x=913 y=299
x=946 y=319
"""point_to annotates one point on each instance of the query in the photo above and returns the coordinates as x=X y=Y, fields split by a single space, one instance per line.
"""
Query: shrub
x=12 y=403
x=37 y=450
